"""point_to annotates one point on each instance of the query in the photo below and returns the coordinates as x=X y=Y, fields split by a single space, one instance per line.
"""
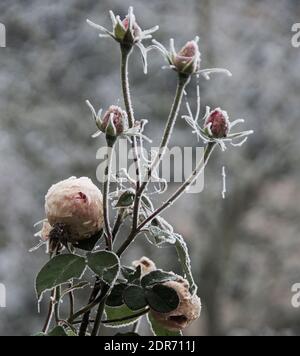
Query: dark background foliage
x=245 y=250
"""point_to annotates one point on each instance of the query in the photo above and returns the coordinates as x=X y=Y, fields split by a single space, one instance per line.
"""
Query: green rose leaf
x=134 y=298
x=156 y=277
x=116 y=314
x=60 y=270
x=160 y=330
x=132 y=275
x=159 y=237
x=105 y=264
x=126 y=200
x=162 y=299
x=115 y=298
x=185 y=261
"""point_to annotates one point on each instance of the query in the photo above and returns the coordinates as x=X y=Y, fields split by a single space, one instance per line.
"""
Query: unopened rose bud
x=188 y=60
x=78 y=204
x=114 y=121
x=218 y=124
x=146 y=265
x=189 y=308
x=136 y=30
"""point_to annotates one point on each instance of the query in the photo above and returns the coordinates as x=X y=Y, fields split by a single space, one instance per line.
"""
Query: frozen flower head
x=135 y=32
x=217 y=127
x=146 y=265
x=114 y=121
x=218 y=124
x=127 y=32
x=188 y=60
x=76 y=203
x=189 y=308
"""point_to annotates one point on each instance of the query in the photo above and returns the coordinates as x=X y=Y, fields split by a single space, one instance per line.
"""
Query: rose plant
x=81 y=236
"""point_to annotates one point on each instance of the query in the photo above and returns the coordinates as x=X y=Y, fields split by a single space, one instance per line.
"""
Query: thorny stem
x=103 y=297
x=86 y=317
x=106 y=187
x=183 y=80
x=198 y=170
x=57 y=304
x=72 y=303
x=51 y=309
x=111 y=235
x=118 y=223
x=50 y=314
x=109 y=243
x=125 y=51
x=182 y=83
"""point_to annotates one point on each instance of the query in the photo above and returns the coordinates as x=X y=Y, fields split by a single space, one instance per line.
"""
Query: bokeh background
x=245 y=249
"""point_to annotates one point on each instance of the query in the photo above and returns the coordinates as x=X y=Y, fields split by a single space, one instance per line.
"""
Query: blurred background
x=245 y=249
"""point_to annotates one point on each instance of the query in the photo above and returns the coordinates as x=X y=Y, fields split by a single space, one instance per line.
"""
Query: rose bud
x=114 y=121
x=146 y=265
x=189 y=308
x=78 y=204
x=136 y=32
x=188 y=60
x=218 y=124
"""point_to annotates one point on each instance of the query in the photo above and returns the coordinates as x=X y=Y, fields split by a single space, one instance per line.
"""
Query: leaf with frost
x=60 y=270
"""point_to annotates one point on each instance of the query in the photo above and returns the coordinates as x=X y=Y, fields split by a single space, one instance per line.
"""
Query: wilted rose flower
x=188 y=59
x=189 y=308
x=114 y=121
x=78 y=204
x=218 y=123
x=146 y=265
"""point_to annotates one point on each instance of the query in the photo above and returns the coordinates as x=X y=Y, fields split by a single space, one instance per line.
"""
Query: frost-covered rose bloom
x=188 y=59
x=78 y=204
x=146 y=265
x=188 y=310
x=218 y=123
x=116 y=116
